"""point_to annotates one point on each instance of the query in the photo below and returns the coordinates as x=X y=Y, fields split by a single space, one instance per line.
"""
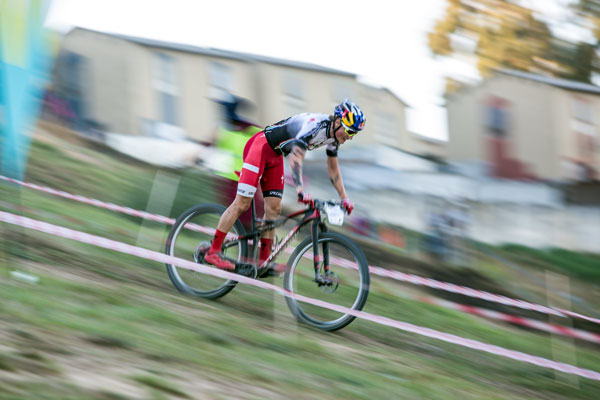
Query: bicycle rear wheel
x=350 y=271
x=189 y=238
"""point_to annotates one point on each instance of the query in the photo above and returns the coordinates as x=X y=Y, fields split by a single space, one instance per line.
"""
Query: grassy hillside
x=102 y=325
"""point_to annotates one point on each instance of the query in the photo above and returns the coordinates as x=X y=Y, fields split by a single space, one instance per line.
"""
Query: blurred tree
x=505 y=34
x=453 y=85
x=590 y=10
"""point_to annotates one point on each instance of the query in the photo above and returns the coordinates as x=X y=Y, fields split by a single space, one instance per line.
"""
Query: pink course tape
x=163 y=258
x=414 y=279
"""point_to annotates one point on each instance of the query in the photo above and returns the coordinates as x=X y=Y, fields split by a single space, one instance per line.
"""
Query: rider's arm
x=335 y=176
x=296 y=159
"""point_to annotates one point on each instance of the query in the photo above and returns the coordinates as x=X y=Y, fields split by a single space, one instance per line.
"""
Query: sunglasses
x=349 y=132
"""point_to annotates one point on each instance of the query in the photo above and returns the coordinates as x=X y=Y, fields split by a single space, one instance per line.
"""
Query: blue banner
x=25 y=59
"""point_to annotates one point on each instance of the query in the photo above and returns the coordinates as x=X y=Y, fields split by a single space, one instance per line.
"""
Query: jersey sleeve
x=331 y=150
x=305 y=127
x=288 y=145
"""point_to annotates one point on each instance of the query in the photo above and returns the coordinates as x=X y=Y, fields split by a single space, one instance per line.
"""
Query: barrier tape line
x=405 y=326
x=93 y=202
x=401 y=276
x=482 y=312
x=530 y=323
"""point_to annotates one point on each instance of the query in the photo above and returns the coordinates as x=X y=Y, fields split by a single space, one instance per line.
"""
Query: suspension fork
x=315 y=240
x=323 y=228
x=316 y=227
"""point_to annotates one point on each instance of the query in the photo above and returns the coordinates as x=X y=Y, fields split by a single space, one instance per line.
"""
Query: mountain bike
x=326 y=265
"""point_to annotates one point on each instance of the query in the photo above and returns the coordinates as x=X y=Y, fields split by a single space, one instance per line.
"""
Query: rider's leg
x=238 y=207
x=214 y=256
x=272 y=184
x=272 y=212
x=252 y=169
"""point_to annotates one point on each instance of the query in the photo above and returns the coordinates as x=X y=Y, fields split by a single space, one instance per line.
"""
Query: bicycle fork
x=320 y=279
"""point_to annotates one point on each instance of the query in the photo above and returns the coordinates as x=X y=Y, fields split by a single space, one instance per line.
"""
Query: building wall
x=194 y=89
x=464 y=126
x=283 y=91
x=576 y=116
x=530 y=133
x=129 y=94
x=426 y=146
x=108 y=72
x=386 y=118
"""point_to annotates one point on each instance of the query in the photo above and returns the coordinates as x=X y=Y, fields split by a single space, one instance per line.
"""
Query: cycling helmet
x=351 y=115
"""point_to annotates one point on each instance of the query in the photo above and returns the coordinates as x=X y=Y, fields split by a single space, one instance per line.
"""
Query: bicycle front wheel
x=349 y=270
x=190 y=238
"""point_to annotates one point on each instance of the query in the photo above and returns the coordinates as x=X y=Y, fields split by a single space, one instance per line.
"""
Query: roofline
x=397 y=97
x=564 y=84
x=233 y=55
x=556 y=82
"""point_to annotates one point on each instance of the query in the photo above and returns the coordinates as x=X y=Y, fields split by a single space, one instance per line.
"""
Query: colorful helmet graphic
x=351 y=115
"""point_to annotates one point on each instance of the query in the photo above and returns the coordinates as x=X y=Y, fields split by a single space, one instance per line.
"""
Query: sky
x=384 y=42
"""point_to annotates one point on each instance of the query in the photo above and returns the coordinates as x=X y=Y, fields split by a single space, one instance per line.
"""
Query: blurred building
x=140 y=86
x=519 y=125
x=425 y=146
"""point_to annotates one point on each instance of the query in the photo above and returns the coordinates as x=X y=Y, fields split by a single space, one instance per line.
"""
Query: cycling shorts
x=261 y=163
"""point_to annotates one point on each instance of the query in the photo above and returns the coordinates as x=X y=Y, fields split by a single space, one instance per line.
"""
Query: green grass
x=103 y=325
x=160 y=384
x=584 y=266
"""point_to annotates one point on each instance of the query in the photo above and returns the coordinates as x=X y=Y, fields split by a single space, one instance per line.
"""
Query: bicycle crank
x=201 y=251
x=246 y=269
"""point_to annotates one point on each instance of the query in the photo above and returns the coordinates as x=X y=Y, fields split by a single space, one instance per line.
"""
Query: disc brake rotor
x=332 y=283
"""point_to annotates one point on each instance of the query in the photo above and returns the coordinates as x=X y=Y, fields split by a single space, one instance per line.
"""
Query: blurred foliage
x=590 y=10
x=508 y=35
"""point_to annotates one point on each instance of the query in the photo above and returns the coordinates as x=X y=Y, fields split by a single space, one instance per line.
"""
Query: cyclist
x=263 y=161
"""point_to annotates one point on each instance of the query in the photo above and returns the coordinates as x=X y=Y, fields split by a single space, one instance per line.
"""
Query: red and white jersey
x=307 y=130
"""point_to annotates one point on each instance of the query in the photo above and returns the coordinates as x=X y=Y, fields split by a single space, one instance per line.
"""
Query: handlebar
x=320 y=204
x=323 y=203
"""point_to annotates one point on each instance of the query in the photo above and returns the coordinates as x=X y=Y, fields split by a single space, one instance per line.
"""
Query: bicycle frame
x=311 y=215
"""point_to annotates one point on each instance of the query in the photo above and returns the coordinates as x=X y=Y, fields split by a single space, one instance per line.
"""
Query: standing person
x=263 y=161
x=231 y=138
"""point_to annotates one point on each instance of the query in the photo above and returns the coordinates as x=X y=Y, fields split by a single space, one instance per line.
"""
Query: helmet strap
x=333 y=129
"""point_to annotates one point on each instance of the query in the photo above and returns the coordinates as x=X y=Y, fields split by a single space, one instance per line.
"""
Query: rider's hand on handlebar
x=306 y=198
x=347 y=205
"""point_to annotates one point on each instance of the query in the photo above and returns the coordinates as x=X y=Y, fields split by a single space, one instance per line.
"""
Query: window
x=165 y=75
x=221 y=82
x=167 y=102
x=582 y=117
x=165 y=83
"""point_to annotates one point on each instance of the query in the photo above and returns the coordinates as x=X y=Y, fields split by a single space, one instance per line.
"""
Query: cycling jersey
x=307 y=130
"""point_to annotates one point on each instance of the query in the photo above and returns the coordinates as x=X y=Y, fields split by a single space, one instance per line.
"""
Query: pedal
x=268 y=272
x=246 y=269
x=271 y=270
